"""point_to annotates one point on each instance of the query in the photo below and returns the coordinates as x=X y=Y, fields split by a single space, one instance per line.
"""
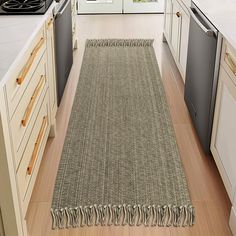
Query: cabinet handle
x=231 y=63
x=30 y=61
x=32 y=101
x=73 y=30
x=77 y=6
x=178 y=14
x=50 y=22
x=36 y=146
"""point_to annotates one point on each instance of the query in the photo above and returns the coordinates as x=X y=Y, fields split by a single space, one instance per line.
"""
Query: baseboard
x=232 y=221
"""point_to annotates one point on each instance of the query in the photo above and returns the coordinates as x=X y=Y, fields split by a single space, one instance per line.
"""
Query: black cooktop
x=24 y=7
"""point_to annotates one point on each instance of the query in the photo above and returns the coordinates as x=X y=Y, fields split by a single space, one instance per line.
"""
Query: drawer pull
x=36 y=146
x=178 y=14
x=32 y=101
x=50 y=22
x=231 y=63
x=30 y=61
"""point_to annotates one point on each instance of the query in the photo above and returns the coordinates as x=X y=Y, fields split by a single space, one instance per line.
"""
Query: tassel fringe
x=133 y=215
x=119 y=42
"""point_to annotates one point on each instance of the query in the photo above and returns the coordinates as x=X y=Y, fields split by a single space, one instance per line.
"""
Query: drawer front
x=22 y=75
x=51 y=66
x=24 y=117
x=29 y=166
x=229 y=60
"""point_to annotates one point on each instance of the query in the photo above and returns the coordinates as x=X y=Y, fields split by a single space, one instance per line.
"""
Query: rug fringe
x=119 y=42
x=133 y=215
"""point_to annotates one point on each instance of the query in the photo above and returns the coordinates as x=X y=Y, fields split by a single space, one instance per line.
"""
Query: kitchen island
x=28 y=105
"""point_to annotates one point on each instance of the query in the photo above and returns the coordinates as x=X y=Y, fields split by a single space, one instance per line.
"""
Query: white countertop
x=16 y=33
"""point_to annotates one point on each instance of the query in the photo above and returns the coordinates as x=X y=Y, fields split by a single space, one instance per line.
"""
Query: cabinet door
x=183 y=44
x=223 y=144
x=51 y=67
x=176 y=20
x=168 y=19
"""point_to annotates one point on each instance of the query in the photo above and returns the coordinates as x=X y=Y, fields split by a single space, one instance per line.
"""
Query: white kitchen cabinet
x=224 y=126
x=27 y=106
x=28 y=128
x=168 y=19
x=176 y=30
x=223 y=142
x=51 y=72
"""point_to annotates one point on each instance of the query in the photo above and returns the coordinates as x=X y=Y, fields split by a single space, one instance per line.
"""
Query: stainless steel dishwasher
x=63 y=45
x=202 y=74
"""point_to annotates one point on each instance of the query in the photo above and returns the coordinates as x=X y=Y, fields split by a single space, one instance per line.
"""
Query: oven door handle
x=60 y=12
x=209 y=32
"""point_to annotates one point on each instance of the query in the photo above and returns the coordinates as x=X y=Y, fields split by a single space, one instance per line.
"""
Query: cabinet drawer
x=29 y=166
x=21 y=76
x=229 y=60
x=25 y=114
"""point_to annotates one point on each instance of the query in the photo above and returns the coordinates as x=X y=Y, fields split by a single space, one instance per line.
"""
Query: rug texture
x=120 y=162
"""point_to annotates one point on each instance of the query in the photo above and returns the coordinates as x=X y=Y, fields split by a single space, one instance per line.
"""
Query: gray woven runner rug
x=120 y=162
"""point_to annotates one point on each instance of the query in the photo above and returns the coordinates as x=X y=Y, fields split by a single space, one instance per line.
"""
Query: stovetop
x=24 y=7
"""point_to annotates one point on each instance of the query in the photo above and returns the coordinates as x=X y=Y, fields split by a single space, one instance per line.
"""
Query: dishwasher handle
x=209 y=32
x=60 y=12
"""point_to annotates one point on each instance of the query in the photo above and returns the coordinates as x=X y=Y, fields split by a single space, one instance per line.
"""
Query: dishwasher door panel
x=200 y=79
x=63 y=46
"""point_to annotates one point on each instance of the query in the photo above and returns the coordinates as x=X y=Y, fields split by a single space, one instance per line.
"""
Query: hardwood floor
x=205 y=185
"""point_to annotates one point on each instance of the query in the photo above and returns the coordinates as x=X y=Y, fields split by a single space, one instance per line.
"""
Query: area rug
x=120 y=163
